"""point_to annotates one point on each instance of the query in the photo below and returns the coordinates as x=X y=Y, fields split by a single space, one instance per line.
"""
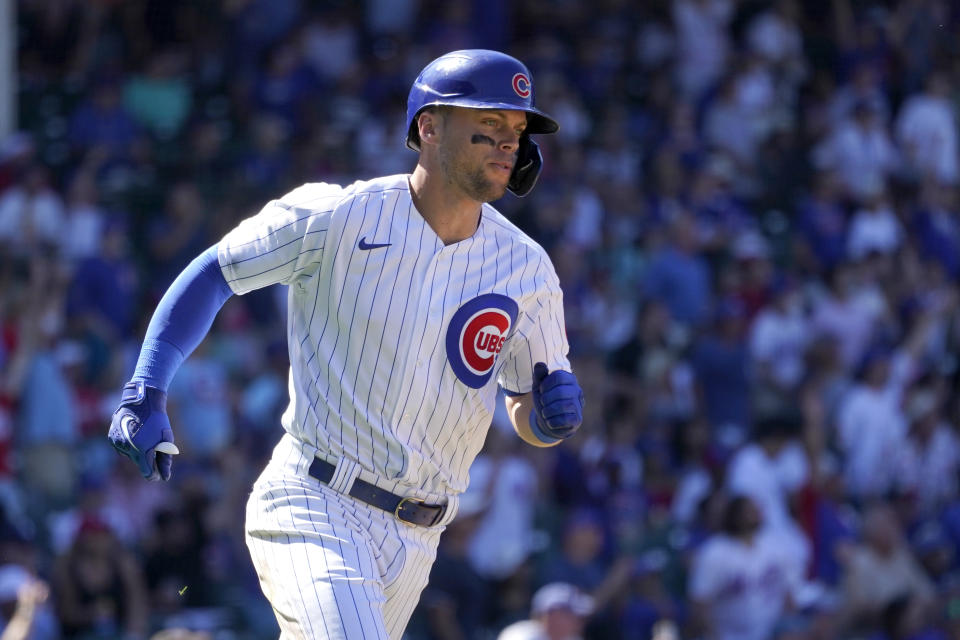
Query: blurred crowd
x=753 y=209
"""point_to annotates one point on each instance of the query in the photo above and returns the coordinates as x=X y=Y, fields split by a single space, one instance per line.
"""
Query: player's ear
x=429 y=125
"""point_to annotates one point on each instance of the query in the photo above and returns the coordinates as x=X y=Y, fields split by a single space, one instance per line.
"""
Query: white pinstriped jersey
x=396 y=341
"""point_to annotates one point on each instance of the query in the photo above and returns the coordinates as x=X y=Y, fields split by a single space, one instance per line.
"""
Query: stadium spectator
x=103 y=124
x=180 y=233
x=860 y=151
x=505 y=482
x=882 y=570
x=770 y=467
x=779 y=337
x=844 y=315
x=719 y=360
x=558 y=612
x=871 y=426
x=740 y=580
x=703 y=43
x=100 y=587
x=822 y=222
x=926 y=129
x=85 y=218
x=937 y=226
x=874 y=228
x=31 y=212
x=678 y=276
x=103 y=292
x=930 y=459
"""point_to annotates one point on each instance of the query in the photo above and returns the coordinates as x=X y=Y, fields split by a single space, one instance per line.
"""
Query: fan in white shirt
x=927 y=132
x=741 y=578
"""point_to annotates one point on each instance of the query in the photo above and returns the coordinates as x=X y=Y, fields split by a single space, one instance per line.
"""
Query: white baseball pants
x=330 y=565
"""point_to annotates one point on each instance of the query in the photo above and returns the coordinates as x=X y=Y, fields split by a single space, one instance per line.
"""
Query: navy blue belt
x=408 y=510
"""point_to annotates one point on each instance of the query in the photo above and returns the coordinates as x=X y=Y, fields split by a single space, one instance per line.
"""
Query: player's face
x=479 y=150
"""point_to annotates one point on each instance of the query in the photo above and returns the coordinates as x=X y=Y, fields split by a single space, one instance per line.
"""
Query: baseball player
x=410 y=300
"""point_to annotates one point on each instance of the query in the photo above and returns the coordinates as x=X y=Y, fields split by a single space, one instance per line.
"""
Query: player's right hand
x=141 y=430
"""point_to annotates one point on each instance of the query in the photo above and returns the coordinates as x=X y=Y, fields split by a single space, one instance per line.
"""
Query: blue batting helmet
x=483 y=79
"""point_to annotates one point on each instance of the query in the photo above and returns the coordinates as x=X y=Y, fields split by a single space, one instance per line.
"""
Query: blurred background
x=753 y=210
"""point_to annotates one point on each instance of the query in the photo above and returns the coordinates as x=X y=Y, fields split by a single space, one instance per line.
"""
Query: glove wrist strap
x=538 y=432
x=136 y=391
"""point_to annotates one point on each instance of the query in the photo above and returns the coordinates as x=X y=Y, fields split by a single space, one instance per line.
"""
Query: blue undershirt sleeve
x=182 y=319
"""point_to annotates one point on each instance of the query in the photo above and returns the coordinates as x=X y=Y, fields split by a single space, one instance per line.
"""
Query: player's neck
x=453 y=217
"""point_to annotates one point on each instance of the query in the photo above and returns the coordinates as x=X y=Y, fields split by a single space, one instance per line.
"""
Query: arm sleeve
x=541 y=336
x=182 y=319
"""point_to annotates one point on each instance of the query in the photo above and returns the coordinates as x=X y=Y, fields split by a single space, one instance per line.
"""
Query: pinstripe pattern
x=372 y=389
x=370 y=376
x=332 y=567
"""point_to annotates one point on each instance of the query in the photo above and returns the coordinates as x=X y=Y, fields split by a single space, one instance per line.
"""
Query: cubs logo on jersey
x=476 y=334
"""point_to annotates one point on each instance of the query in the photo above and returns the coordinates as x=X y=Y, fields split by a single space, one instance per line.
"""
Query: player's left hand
x=557 y=404
x=141 y=430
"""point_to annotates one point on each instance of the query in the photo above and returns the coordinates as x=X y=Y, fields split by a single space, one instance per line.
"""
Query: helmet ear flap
x=527 y=168
x=413 y=137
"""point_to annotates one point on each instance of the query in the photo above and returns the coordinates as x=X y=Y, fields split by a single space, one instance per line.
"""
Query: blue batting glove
x=557 y=404
x=141 y=430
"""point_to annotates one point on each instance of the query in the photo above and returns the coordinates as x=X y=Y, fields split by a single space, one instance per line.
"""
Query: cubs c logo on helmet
x=521 y=84
x=476 y=334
